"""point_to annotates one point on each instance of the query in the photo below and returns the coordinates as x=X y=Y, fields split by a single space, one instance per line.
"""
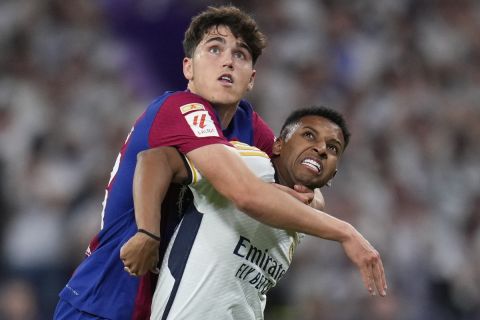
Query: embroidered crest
x=191 y=107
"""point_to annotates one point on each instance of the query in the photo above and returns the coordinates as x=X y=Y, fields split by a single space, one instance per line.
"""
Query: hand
x=303 y=194
x=317 y=201
x=140 y=254
x=368 y=260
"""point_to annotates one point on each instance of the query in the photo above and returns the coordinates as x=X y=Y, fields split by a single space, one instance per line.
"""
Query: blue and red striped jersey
x=181 y=119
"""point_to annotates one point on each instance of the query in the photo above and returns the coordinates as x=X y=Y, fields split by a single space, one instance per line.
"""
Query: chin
x=310 y=183
x=225 y=100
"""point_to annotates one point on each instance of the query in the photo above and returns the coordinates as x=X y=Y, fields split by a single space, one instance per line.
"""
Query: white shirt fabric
x=220 y=262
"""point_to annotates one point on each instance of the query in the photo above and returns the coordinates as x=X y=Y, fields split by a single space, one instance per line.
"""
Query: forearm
x=262 y=201
x=278 y=209
x=150 y=184
x=156 y=169
x=269 y=205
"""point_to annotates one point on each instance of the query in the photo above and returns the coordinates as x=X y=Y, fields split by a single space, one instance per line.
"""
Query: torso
x=221 y=255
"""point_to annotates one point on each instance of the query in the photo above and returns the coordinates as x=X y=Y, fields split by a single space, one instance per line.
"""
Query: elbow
x=141 y=155
x=158 y=154
x=145 y=155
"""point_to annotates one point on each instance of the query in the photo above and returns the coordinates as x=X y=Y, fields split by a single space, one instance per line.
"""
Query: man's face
x=221 y=69
x=310 y=153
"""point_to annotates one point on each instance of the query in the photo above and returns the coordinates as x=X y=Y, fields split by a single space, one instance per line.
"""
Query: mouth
x=313 y=164
x=226 y=79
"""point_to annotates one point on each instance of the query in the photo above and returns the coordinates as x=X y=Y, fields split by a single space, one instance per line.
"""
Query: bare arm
x=155 y=170
x=263 y=202
x=314 y=198
x=269 y=205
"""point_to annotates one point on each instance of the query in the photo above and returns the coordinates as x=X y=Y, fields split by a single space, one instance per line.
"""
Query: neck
x=278 y=174
x=225 y=113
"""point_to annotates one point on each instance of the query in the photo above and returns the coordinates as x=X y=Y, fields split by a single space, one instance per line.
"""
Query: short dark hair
x=321 y=111
x=240 y=24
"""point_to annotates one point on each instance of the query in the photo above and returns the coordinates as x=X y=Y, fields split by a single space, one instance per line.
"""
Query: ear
x=277 y=147
x=188 y=68
x=334 y=174
x=252 y=80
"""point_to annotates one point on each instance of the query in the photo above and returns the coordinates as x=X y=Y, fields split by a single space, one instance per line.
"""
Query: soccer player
x=221 y=47
x=220 y=254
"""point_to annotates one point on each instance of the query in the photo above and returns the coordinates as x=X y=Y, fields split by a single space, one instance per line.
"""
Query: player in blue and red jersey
x=99 y=287
x=221 y=47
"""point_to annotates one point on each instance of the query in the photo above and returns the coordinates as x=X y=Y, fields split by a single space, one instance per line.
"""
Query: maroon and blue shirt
x=99 y=285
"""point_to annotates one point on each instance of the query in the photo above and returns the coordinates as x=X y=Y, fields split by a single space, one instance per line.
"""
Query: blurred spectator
x=18 y=300
x=406 y=73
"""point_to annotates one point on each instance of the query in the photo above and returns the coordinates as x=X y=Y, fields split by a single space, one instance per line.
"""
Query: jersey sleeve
x=187 y=122
x=263 y=136
x=194 y=176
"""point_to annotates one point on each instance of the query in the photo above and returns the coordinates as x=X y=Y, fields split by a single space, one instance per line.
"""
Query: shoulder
x=256 y=159
x=187 y=101
x=183 y=100
x=247 y=150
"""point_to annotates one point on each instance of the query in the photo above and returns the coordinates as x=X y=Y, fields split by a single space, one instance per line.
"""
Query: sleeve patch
x=201 y=124
x=191 y=107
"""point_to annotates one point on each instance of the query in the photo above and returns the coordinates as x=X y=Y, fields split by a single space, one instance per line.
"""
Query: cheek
x=331 y=166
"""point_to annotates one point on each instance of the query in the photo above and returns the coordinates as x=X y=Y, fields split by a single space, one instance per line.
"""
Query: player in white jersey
x=221 y=263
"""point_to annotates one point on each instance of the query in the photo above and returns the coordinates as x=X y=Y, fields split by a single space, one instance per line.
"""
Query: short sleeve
x=263 y=136
x=187 y=122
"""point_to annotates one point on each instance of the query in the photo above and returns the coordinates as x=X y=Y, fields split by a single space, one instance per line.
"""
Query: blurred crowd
x=74 y=75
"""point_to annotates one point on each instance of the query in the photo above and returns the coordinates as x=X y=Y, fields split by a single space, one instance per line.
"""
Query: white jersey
x=220 y=262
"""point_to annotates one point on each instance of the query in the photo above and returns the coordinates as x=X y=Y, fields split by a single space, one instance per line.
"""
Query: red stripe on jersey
x=143 y=300
x=262 y=134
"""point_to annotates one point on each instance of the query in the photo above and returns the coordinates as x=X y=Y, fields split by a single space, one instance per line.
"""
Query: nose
x=321 y=149
x=228 y=59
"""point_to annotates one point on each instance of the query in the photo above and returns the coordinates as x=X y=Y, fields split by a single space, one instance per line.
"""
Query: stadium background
x=75 y=74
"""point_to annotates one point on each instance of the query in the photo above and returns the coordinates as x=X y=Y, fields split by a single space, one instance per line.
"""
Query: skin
x=316 y=139
x=217 y=55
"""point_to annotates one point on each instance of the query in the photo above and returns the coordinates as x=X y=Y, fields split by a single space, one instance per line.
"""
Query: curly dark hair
x=240 y=24
x=321 y=111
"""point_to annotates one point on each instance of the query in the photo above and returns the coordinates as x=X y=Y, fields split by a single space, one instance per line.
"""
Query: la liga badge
x=202 y=124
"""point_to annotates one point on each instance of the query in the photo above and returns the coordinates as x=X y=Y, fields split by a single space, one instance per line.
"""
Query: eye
x=239 y=55
x=333 y=147
x=214 y=50
x=308 y=135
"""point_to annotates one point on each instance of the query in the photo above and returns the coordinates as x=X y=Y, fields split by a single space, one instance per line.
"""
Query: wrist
x=347 y=232
x=149 y=234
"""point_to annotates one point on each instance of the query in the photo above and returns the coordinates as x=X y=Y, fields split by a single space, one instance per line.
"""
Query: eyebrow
x=217 y=38
x=240 y=44
x=334 y=140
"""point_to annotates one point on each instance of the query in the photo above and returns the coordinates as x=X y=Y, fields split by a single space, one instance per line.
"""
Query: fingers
x=155 y=269
x=366 y=273
x=138 y=271
x=302 y=189
x=373 y=276
x=368 y=261
x=379 y=276
x=306 y=195
x=127 y=269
